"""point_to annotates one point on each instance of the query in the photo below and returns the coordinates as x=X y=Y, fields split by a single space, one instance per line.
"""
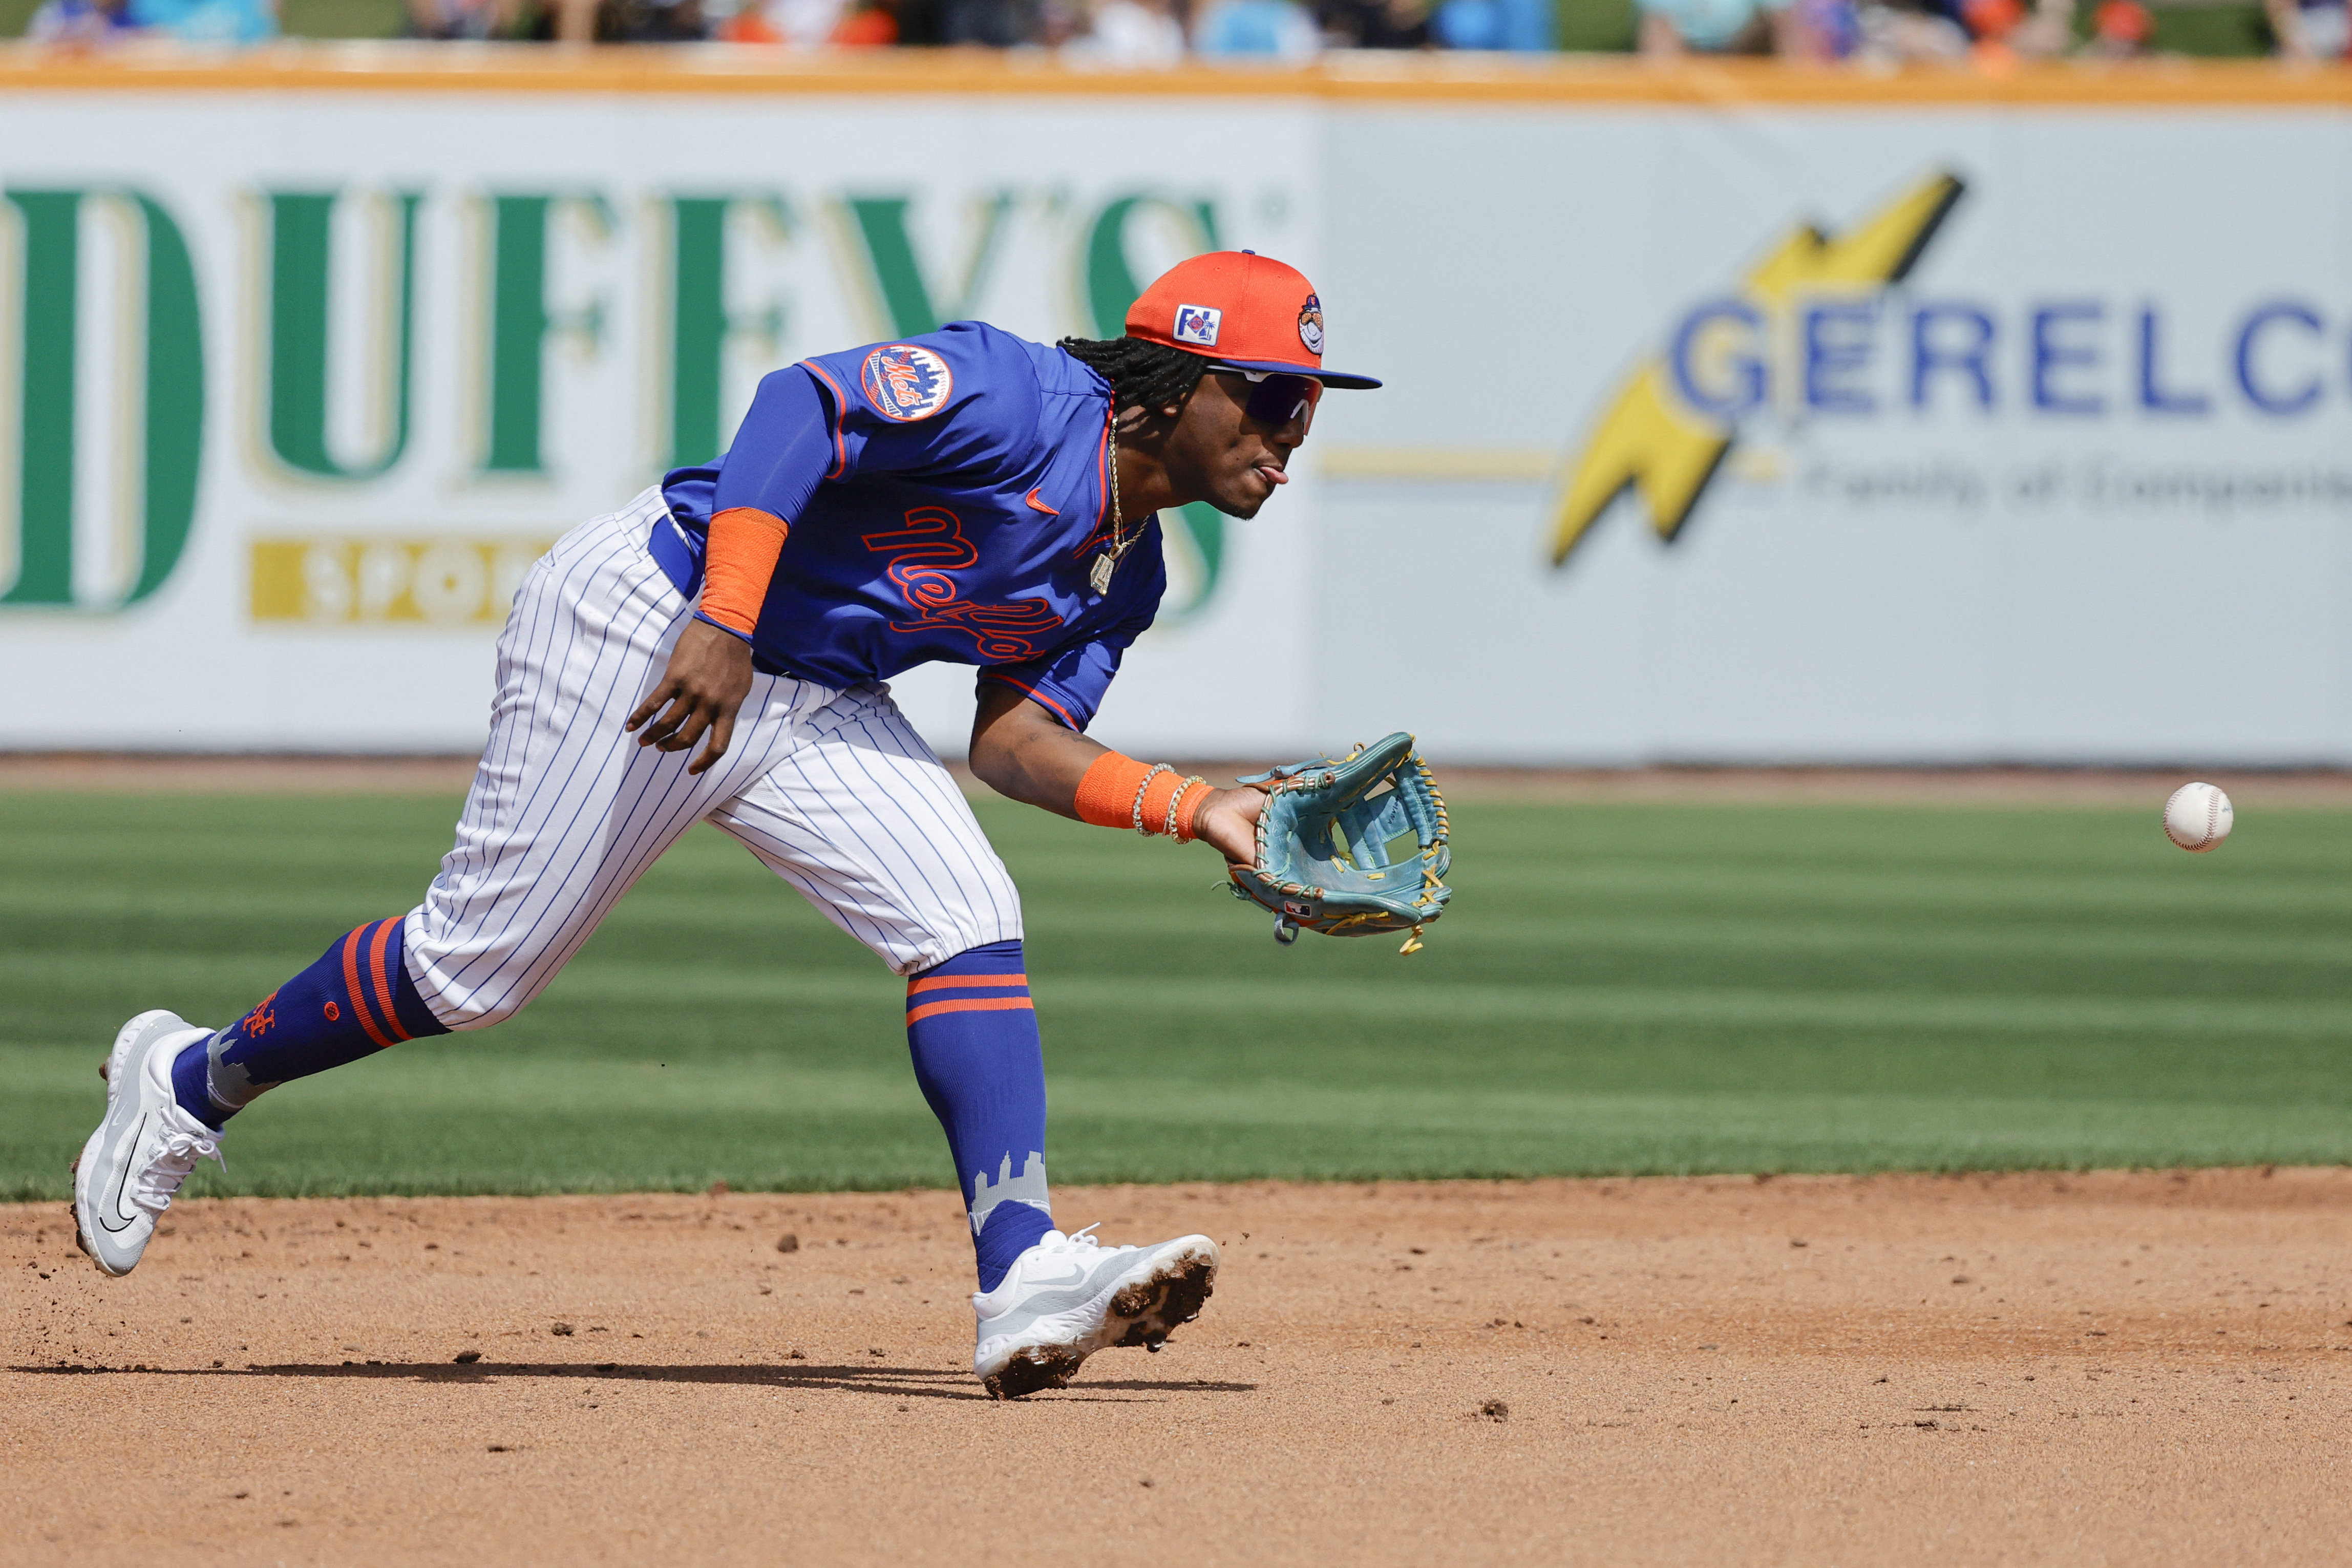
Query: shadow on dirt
x=895 y=1382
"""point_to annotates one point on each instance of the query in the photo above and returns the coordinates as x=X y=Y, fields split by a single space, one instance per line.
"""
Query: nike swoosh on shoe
x=124 y=1214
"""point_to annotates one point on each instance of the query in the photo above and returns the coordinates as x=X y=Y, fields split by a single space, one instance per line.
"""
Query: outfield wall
x=1734 y=415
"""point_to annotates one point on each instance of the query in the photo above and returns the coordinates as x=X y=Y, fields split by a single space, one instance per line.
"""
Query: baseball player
x=965 y=495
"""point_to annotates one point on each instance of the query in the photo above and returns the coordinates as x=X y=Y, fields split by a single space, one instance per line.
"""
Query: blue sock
x=356 y=1000
x=973 y=1035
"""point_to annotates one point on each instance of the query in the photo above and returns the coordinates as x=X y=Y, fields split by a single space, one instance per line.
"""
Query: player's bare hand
x=1228 y=819
x=709 y=675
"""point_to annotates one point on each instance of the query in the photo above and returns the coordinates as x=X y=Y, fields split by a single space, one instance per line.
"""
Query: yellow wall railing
x=1565 y=80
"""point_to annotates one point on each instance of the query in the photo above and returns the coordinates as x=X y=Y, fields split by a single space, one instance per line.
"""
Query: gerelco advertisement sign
x=2010 y=427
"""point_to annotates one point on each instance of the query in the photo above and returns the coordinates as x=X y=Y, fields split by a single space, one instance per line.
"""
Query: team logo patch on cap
x=906 y=382
x=1198 y=324
x=1310 y=325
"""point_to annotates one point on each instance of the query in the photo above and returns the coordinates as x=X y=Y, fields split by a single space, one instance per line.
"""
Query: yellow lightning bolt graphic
x=1652 y=440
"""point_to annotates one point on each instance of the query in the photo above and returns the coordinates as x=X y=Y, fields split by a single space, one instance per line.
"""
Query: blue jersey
x=947 y=495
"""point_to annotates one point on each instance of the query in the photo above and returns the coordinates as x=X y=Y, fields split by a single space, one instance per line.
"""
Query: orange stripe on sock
x=971 y=1004
x=937 y=980
x=351 y=987
x=382 y=983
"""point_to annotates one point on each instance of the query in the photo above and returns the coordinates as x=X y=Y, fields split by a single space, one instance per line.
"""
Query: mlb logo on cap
x=1197 y=325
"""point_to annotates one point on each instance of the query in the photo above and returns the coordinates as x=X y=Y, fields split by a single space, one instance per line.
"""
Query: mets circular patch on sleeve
x=906 y=381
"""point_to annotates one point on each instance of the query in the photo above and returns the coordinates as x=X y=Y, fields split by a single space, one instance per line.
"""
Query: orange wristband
x=1158 y=796
x=1107 y=792
x=737 y=562
x=1188 y=806
x=1120 y=792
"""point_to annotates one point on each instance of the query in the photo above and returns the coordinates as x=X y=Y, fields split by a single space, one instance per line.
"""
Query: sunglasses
x=1275 y=400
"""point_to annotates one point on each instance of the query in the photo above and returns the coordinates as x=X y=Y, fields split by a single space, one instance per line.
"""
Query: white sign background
x=1946 y=583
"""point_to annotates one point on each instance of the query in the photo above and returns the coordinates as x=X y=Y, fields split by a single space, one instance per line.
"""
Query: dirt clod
x=561 y=1331
x=1032 y=1370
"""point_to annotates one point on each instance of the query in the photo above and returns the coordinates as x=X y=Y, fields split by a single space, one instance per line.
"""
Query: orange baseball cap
x=1243 y=309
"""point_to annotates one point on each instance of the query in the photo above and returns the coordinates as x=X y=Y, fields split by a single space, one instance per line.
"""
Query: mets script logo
x=1670 y=425
x=1198 y=324
x=1310 y=325
x=906 y=382
x=921 y=555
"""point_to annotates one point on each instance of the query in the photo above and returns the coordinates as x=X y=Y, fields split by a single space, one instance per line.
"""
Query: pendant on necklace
x=1105 y=564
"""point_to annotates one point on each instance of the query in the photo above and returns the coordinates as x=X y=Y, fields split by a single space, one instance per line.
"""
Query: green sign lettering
x=908 y=306
x=171 y=395
x=1111 y=284
x=45 y=484
x=700 y=324
x=520 y=323
x=301 y=256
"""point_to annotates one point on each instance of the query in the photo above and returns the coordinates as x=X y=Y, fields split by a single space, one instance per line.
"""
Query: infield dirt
x=2038 y=1368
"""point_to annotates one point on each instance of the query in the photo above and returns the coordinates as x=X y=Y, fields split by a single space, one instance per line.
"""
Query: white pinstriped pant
x=832 y=791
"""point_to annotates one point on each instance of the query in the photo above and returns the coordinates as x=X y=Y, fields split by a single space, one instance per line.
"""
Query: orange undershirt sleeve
x=737 y=562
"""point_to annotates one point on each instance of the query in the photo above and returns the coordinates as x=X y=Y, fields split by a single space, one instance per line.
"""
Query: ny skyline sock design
x=354 y=1001
x=972 y=1031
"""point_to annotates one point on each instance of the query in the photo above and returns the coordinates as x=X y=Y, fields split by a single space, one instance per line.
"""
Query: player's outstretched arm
x=1020 y=750
x=709 y=675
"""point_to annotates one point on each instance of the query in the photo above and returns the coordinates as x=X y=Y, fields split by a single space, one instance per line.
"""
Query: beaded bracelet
x=1143 y=789
x=1177 y=800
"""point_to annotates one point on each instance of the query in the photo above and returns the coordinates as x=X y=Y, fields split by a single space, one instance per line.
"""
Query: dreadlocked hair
x=1150 y=376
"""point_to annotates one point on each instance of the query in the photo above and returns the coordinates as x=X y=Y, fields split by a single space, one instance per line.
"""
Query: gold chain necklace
x=1121 y=539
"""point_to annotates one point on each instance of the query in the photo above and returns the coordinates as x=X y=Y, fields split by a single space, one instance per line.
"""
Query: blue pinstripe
x=831 y=790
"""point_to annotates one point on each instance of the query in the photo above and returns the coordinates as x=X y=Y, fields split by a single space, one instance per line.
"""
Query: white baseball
x=2198 y=817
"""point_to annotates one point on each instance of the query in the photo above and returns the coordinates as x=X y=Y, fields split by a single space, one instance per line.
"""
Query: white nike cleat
x=1069 y=1297
x=143 y=1149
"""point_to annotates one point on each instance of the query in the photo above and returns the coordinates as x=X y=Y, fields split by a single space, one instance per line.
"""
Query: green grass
x=1621 y=988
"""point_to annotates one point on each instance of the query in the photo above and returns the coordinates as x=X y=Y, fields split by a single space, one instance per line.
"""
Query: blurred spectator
x=84 y=24
x=1374 y=24
x=2311 y=29
x=2120 y=29
x=2002 y=29
x=1826 y=29
x=447 y=19
x=650 y=22
x=1059 y=23
x=1130 y=33
x=995 y=24
x=207 y=21
x=1672 y=28
x=870 y=25
x=1257 y=30
x=1521 y=25
x=803 y=22
x=1909 y=32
